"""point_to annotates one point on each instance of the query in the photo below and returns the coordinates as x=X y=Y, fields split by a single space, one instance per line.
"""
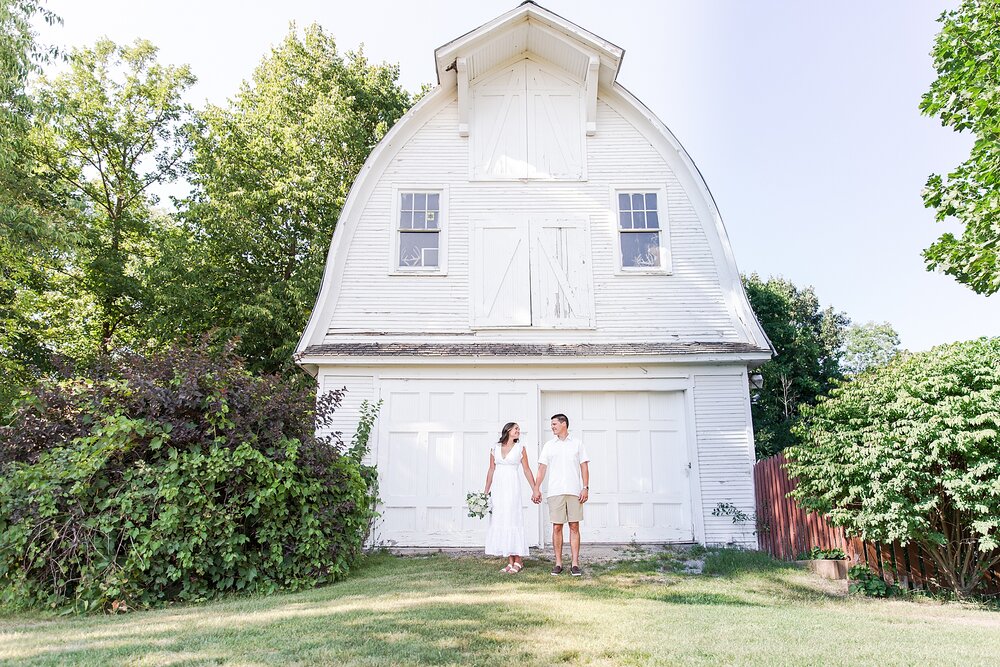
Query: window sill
x=529 y=327
x=418 y=272
x=643 y=272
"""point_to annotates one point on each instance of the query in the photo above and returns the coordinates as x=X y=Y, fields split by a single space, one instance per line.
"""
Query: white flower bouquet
x=479 y=504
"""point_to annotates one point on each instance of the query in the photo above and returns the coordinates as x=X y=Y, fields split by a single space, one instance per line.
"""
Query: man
x=569 y=488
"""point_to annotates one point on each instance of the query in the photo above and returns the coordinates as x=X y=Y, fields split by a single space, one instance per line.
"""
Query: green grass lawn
x=441 y=610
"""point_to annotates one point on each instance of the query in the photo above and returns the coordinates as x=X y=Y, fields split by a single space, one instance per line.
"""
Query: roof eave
x=445 y=55
x=752 y=359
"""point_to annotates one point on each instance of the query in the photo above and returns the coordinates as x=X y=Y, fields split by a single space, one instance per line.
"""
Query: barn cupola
x=527 y=93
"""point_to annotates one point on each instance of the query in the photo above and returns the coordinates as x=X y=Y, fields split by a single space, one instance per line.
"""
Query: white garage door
x=433 y=448
x=639 y=475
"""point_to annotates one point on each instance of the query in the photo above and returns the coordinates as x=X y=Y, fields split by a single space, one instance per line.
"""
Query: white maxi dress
x=505 y=533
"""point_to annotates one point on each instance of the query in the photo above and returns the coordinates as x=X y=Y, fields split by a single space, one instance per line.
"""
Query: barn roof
x=529 y=28
x=527 y=349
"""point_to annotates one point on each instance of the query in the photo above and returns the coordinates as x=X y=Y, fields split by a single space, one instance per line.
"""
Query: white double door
x=435 y=437
x=531 y=271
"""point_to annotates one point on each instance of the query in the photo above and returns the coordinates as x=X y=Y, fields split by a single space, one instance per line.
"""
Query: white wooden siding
x=345 y=419
x=725 y=454
x=686 y=306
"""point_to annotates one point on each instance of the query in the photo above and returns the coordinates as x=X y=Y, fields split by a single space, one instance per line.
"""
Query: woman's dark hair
x=505 y=431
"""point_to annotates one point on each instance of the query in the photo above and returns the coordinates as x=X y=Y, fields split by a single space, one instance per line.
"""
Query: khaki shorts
x=565 y=508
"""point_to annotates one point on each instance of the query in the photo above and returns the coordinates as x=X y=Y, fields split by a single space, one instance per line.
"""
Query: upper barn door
x=555 y=125
x=527 y=124
x=499 y=135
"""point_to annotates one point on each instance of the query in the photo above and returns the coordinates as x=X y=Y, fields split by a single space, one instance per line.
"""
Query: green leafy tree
x=808 y=340
x=271 y=172
x=30 y=206
x=868 y=345
x=114 y=130
x=966 y=97
x=910 y=452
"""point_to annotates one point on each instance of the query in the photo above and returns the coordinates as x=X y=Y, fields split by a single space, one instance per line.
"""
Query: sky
x=801 y=116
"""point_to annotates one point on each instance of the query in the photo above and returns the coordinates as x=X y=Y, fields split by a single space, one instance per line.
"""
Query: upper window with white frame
x=418 y=231
x=640 y=231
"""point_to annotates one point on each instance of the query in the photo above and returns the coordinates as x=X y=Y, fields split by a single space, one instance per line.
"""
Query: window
x=640 y=232
x=419 y=231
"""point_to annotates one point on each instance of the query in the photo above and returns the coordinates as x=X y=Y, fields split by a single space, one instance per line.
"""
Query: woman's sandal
x=508 y=570
x=515 y=568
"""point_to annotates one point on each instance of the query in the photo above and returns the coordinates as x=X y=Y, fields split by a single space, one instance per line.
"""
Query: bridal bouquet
x=479 y=504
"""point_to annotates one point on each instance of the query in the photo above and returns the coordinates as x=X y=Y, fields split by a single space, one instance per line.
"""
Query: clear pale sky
x=802 y=117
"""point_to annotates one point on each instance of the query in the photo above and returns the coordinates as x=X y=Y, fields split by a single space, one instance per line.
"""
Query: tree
x=114 y=129
x=868 y=345
x=910 y=452
x=271 y=173
x=966 y=96
x=809 y=343
x=30 y=207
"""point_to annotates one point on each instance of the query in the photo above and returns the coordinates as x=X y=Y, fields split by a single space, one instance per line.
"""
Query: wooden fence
x=785 y=531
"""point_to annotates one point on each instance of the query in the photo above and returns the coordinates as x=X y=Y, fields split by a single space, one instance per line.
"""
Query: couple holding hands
x=565 y=462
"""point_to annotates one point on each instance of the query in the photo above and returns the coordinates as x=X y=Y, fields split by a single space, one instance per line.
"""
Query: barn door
x=501 y=294
x=560 y=273
x=499 y=143
x=555 y=125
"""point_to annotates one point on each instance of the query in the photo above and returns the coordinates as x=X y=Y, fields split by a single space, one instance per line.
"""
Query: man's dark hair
x=561 y=417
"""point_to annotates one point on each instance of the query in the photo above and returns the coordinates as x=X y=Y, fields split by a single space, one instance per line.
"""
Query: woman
x=505 y=534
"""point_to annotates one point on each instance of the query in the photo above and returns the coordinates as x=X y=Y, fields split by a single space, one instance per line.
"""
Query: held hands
x=536 y=496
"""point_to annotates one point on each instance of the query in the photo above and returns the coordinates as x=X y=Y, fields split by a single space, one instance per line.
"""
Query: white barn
x=530 y=239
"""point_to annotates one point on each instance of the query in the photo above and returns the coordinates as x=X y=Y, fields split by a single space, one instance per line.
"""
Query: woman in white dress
x=505 y=533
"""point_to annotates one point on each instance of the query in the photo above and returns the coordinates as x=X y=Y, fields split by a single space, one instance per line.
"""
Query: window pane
x=639 y=220
x=625 y=220
x=407 y=201
x=406 y=220
x=624 y=202
x=418 y=249
x=640 y=249
x=419 y=202
x=652 y=221
x=433 y=200
x=432 y=219
x=431 y=255
x=637 y=203
x=650 y=201
x=418 y=220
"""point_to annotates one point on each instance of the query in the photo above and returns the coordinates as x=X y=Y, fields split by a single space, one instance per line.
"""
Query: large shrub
x=910 y=452
x=179 y=476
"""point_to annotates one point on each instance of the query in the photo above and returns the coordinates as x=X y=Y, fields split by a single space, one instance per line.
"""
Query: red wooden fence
x=785 y=530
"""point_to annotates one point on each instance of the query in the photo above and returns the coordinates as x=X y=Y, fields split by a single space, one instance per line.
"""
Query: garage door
x=433 y=448
x=639 y=474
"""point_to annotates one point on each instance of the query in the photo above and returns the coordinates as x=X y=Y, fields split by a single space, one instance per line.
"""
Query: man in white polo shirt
x=566 y=462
